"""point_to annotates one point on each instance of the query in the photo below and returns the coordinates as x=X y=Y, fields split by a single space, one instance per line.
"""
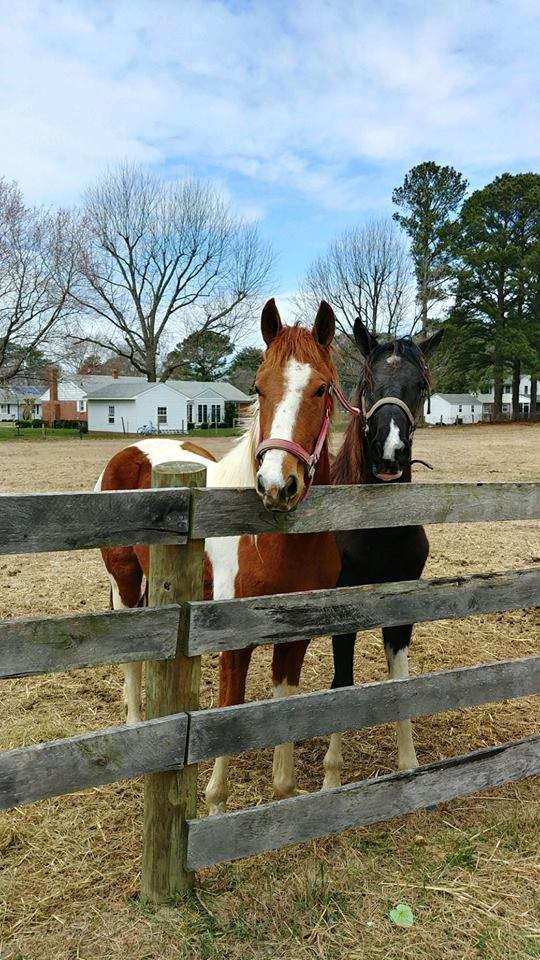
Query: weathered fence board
x=28 y=774
x=74 y=521
x=234 y=835
x=228 y=512
x=263 y=723
x=233 y=624
x=54 y=644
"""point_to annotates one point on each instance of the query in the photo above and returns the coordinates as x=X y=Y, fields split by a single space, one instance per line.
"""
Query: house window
x=111 y=414
x=460 y=408
x=162 y=415
x=81 y=406
x=215 y=413
x=202 y=413
x=189 y=412
x=508 y=388
x=525 y=389
x=472 y=408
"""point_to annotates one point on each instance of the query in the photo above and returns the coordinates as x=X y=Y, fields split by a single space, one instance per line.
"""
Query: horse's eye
x=321 y=391
x=257 y=391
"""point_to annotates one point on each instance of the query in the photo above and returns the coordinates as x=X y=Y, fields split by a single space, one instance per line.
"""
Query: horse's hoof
x=282 y=791
x=330 y=782
x=408 y=763
x=215 y=808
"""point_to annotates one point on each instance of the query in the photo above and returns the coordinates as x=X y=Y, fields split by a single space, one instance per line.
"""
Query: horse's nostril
x=291 y=487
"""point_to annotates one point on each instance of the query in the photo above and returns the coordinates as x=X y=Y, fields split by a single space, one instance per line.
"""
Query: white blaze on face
x=393 y=441
x=296 y=378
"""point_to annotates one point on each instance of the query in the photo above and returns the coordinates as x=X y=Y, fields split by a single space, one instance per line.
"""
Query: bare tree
x=155 y=256
x=37 y=258
x=366 y=273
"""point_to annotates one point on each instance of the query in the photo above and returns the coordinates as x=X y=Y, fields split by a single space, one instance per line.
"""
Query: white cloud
x=325 y=99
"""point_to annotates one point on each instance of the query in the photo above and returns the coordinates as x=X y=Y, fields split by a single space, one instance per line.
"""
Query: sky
x=304 y=113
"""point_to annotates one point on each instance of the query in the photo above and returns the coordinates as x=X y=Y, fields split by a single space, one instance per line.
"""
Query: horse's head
x=293 y=385
x=393 y=386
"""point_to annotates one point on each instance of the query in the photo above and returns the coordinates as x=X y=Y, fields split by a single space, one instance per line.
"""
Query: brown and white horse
x=295 y=397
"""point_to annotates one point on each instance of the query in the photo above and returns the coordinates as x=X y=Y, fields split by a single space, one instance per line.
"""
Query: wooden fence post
x=170 y=798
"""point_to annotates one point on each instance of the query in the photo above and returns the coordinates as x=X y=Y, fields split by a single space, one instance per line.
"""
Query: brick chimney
x=54 y=406
x=114 y=373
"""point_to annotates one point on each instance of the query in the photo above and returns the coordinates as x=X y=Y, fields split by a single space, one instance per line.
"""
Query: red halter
x=290 y=446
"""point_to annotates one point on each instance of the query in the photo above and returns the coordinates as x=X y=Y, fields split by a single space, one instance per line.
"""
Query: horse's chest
x=258 y=566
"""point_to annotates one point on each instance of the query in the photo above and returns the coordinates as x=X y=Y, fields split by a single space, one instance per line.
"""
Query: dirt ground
x=69 y=870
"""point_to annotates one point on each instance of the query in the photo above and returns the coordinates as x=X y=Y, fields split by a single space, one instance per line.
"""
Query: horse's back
x=131 y=468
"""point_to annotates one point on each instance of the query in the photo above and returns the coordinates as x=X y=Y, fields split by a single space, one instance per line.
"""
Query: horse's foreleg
x=233 y=668
x=127 y=584
x=343 y=652
x=396 y=647
x=286 y=668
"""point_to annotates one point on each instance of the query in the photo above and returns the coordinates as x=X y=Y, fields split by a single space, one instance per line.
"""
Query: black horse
x=377 y=449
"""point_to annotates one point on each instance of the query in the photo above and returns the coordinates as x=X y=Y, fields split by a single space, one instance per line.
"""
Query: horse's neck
x=322 y=470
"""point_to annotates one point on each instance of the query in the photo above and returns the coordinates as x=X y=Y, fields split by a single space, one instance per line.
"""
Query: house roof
x=458 y=398
x=127 y=388
x=14 y=392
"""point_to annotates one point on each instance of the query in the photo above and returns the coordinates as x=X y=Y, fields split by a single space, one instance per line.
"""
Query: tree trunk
x=516 y=376
x=498 y=383
x=533 y=413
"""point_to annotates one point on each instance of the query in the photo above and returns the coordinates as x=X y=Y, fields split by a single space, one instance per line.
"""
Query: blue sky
x=305 y=113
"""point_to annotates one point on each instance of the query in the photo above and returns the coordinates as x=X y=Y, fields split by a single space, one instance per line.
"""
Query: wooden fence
x=177 y=628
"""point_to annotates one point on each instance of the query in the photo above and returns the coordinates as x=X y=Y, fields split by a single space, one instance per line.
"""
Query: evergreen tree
x=243 y=369
x=428 y=200
x=200 y=356
x=494 y=324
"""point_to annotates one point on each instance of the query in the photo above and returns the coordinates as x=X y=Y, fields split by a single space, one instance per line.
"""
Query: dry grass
x=70 y=866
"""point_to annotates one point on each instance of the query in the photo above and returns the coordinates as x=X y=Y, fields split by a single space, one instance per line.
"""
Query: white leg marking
x=217 y=789
x=393 y=441
x=132 y=671
x=283 y=766
x=333 y=763
x=223 y=555
x=398 y=669
x=296 y=377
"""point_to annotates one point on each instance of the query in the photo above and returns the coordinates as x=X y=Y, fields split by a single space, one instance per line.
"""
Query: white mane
x=238 y=468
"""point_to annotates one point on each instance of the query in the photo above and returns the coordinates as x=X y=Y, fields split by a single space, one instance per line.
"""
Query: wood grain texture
x=170 y=798
x=228 y=512
x=54 y=644
x=263 y=723
x=91 y=759
x=274 y=825
x=74 y=521
x=233 y=624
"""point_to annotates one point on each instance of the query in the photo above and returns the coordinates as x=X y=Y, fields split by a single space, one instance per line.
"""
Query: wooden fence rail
x=264 y=723
x=226 y=513
x=233 y=624
x=231 y=836
x=53 y=644
x=41 y=522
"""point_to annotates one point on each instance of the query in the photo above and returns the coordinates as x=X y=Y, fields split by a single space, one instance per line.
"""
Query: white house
x=453 y=408
x=129 y=404
x=15 y=400
x=524 y=397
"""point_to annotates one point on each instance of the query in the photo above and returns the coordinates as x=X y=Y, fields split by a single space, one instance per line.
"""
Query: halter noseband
x=310 y=460
x=383 y=402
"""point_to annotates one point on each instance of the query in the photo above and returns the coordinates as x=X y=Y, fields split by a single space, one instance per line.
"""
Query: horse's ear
x=364 y=339
x=431 y=343
x=324 y=327
x=271 y=323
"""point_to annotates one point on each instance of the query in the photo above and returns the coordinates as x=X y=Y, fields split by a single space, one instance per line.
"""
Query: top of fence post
x=176 y=575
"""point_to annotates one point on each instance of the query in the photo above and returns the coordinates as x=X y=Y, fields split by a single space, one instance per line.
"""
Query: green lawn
x=8 y=432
